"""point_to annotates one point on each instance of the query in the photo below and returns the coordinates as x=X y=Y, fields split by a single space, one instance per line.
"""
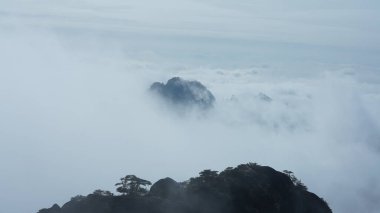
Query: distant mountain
x=248 y=188
x=184 y=93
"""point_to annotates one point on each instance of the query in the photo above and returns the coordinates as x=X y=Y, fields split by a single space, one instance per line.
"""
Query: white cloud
x=76 y=116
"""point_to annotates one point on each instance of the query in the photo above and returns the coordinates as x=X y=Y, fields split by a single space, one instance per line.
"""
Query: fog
x=76 y=114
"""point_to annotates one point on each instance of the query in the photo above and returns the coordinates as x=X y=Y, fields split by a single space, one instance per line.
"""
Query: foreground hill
x=248 y=188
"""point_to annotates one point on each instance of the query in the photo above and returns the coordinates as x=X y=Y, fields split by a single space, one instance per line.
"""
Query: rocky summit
x=182 y=92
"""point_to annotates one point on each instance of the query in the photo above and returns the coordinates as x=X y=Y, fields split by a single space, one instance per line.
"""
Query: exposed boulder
x=165 y=188
x=185 y=93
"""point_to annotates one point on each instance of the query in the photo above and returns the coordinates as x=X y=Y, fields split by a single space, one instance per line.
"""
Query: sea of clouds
x=297 y=87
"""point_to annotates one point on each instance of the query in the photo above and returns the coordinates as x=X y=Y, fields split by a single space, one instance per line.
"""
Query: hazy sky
x=75 y=114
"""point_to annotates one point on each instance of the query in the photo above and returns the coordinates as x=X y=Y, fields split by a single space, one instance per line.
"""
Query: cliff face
x=248 y=188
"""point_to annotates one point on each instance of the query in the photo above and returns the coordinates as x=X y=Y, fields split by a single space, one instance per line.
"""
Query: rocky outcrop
x=166 y=188
x=182 y=92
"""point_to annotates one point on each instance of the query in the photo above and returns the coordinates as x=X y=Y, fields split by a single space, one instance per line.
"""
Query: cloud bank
x=76 y=114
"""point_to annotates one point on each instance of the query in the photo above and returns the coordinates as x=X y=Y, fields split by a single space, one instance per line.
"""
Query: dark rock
x=54 y=209
x=165 y=188
x=185 y=93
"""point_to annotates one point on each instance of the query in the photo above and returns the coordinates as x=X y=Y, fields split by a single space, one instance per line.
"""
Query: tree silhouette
x=208 y=175
x=297 y=182
x=132 y=185
x=207 y=181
